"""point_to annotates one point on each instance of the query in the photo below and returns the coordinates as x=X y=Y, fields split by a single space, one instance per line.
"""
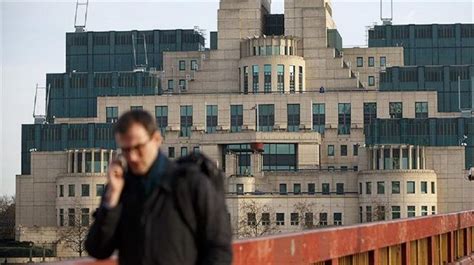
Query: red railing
x=439 y=239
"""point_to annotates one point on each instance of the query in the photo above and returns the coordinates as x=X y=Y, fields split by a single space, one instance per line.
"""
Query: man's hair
x=130 y=118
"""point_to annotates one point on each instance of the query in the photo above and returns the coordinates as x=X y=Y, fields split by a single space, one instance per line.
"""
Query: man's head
x=137 y=136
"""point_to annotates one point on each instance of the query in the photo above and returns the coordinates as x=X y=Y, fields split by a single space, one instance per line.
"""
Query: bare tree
x=308 y=218
x=7 y=217
x=74 y=234
x=380 y=210
x=255 y=220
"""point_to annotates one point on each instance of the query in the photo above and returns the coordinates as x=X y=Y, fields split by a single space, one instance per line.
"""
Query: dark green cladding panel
x=434 y=44
x=424 y=132
x=60 y=137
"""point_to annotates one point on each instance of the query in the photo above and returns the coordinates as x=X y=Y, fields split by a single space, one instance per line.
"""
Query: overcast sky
x=32 y=38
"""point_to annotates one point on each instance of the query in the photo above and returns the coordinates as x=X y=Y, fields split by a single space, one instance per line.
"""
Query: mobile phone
x=120 y=159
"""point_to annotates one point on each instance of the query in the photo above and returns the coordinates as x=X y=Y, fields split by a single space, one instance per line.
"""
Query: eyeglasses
x=138 y=147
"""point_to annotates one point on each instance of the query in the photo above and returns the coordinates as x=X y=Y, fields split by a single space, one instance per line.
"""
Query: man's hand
x=116 y=181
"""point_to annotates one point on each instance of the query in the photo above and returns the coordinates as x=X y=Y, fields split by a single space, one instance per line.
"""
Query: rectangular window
x=196 y=149
x=371 y=61
x=133 y=108
x=265 y=218
x=255 y=74
x=182 y=65
x=360 y=188
x=319 y=117
x=370 y=115
x=421 y=110
x=236 y=118
x=301 y=80
x=85 y=217
x=380 y=187
x=411 y=211
x=240 y=189
x=280 y=219
x=360 y=62
x=184 y=151
x=433 y=188
x=311 y=188
x=396 y=110
x=283 y=190
x=343 y=150
x=330 y=150
x=395 y=187
x=383 y=61
x=380 y=212
x=433 y=210
x=396 y=212
x=292 y=79
x=186 y=121
x=246 y=79
x=88 y=162
x=424 y=187
x=99 y=190
x=355 y=150
x=171 y=152
x=368 y=188
x=170 y=85
x=279 y=157
x=325 y=189
x=161 y=116
x=297 y=188
x=85 y=190
x=211 y=118
x=182 y=84
x=309 y=220
x=368 y=213
x=371 y=80
x=281 y=78
x=340 y=188
x=294 y=219
x=251 y=219
x=266 y=117
x=71 y=216
x=424 y=210
x=61 y=217
x=323 y=219
x=344 y=119
x=79 y=162
x=361 y=214
x=194 y=65
x=61 y=190
x=337 y=219
x=410 y=187
x=293 y=115
x=267 y=87
x=71 y=190
x=111 y=114
x=97 y=159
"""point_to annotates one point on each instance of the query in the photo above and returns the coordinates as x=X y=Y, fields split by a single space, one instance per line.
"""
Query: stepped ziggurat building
x=308 y=133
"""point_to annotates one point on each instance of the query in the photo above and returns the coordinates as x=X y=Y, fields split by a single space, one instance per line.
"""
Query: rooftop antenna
x=81 y=7
x=386 y=20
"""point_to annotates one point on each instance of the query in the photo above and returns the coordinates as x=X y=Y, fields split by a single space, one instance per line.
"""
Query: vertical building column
x=423 y=158
x=69 y=153
x=400 y=158
x=410 y=157
x=391 y=158
x=382 y=153
x=102 y=161
x=374 y=158
x=76 y=154
x=417 y=157
x=93 y=161
x=83 y=154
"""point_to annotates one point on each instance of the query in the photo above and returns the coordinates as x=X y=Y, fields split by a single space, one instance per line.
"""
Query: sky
x=32 y=43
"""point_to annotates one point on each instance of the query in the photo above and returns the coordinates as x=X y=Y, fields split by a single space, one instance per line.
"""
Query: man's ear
x=157 y=137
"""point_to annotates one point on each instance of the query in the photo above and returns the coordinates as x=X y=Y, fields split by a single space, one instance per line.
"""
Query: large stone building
x=308 y=133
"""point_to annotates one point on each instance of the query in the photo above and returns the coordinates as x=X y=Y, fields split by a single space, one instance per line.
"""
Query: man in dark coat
x=140 y=215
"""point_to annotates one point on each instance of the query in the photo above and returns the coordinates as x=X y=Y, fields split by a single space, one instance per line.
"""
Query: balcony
x=439 y=239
